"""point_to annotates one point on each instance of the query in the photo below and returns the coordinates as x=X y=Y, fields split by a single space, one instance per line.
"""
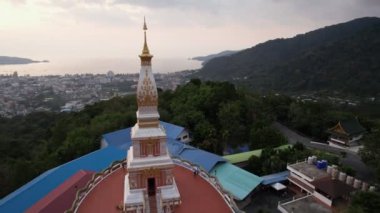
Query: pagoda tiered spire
x=147 y=96
x=150 y=167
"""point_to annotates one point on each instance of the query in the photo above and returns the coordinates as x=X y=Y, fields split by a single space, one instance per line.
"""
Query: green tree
x=254 y=165
x=370 y=153
x=266 y=137
x=365 y=202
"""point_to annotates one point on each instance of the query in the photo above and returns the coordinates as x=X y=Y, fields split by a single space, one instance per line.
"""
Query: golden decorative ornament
x=147 y=95
x=151 y=172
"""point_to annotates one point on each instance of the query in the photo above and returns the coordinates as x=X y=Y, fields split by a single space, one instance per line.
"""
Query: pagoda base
x=169 y=197
x=134 y=199
x=137 y=200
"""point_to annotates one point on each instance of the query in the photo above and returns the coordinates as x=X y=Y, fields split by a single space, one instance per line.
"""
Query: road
x=363 y=172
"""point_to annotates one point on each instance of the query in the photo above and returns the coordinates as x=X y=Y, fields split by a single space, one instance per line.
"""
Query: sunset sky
x=42 y=29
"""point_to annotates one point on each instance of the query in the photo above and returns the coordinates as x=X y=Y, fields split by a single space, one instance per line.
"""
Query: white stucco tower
x=149 y=185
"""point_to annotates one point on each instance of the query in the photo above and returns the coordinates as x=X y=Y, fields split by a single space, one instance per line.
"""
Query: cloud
x=212 y=25
x=371 y=2
x=18 y=1
x=251 y=13
x=179 y=4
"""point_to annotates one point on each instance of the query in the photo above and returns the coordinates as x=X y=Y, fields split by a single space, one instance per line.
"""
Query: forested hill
x=6 y=60
x=207 y=58
x=216 y=113
x=343 y=57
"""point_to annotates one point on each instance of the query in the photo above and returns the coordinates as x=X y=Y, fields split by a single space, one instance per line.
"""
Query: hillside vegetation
x=217 y=114
x=343 y=58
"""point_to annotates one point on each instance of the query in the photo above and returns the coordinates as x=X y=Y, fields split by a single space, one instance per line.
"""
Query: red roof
x=197 y=195
x=61 y=198
x=333 y=188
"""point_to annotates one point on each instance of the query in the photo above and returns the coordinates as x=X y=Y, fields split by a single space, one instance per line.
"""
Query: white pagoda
x=149 y=185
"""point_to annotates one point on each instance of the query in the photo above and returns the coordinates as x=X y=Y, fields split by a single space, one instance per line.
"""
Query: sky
x=45 y=29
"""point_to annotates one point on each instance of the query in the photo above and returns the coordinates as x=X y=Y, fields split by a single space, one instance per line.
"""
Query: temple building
x=346 y=133
x=322 y=187
x=150 y=168
x=146 y=168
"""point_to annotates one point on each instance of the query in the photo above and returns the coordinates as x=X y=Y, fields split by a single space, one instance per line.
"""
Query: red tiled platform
x=61 y=198
x=197 y=195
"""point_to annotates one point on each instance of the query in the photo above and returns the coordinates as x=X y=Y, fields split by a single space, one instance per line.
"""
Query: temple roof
x=61 y=198
x=122 y=138
x=230 y=174
x=39 y=187
x=244 y=156
x=348 y=128
x=333 y=188
x=117 y=144
x=235 y=180
x=274 y=178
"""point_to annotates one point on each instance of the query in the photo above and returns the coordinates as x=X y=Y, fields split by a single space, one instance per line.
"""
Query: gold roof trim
x=339 y=129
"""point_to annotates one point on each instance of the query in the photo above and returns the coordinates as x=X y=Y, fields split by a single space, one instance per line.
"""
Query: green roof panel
x=244 y=156
x=236 y=180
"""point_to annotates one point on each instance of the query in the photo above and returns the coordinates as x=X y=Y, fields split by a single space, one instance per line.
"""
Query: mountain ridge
x=312 y=61
x=9 y=60
x=207 y=58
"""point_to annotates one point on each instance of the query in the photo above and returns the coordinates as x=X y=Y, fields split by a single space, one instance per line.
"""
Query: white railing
x=98 y=177
x=337 y=140
x=323 y=198
x=293 y=199
x=282 y=203
x=281 y=209
x=95 y=180
x=227 y=196
x=293 y=177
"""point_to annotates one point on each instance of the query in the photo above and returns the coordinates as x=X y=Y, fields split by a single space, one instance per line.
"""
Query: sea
x=62 y=66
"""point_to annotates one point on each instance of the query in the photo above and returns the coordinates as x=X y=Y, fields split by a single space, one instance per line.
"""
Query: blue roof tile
x=118 y=142
x=120 y=138
x=172 y=131
x=202 y=158
x=30 y=193
x=274 y=178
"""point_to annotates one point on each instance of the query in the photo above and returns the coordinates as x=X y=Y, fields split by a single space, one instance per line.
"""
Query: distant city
x=20 y=95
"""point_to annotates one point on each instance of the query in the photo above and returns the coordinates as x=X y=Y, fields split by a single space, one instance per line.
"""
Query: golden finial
x=144 y=28
x=145 y=49
x=145 y=56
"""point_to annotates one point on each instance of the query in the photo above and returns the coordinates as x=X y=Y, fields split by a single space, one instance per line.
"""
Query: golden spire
x=145 y=28
x=145 y=56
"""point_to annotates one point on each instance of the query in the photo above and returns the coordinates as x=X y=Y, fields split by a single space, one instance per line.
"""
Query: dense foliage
x=371 y=151
x=275 y=160
x=343 y=58
x=365 y=202
x=34 y=143
x=216 y=113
